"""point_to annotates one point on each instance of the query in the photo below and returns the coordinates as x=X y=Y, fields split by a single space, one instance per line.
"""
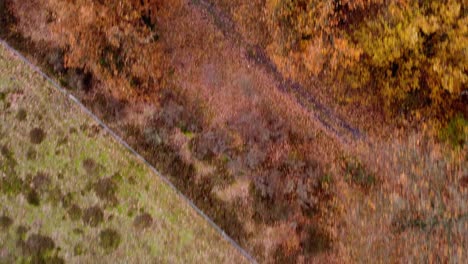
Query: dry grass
x=418 y=212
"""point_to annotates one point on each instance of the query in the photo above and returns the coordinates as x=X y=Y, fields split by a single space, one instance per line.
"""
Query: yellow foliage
x=416 y=51
x=414 y=54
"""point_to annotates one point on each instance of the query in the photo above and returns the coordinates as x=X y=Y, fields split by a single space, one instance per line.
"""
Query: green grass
x=69 y=191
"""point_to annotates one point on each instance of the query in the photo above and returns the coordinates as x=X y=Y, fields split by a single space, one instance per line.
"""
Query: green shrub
x=456 y=131
x=357 y=174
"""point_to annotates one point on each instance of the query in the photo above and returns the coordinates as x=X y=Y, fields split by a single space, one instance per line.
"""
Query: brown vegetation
x=250 y=156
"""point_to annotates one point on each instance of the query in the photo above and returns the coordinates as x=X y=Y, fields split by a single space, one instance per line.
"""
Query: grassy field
x=70 y=193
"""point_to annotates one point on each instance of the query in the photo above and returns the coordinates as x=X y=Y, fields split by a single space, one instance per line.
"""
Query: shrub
x=456 y=131
x=357 y=174
x=109 y=239
x=210 y=144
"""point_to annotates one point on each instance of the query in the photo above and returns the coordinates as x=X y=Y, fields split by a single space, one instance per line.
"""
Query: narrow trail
x=325 y=117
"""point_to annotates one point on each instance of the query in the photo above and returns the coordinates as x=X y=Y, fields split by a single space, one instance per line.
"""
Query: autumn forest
x=330 y=131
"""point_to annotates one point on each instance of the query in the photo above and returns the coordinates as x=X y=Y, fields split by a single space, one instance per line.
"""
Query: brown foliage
x=116 y=41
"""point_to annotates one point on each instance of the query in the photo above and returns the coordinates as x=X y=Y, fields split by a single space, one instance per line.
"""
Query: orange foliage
x=115 y=40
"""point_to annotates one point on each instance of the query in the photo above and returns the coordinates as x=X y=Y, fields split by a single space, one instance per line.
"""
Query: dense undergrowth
x=249 y=159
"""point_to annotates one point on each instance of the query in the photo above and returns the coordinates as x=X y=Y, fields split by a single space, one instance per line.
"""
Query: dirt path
x=326 y=118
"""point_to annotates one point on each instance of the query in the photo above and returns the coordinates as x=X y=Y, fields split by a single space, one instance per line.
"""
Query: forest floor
x=70 y=192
